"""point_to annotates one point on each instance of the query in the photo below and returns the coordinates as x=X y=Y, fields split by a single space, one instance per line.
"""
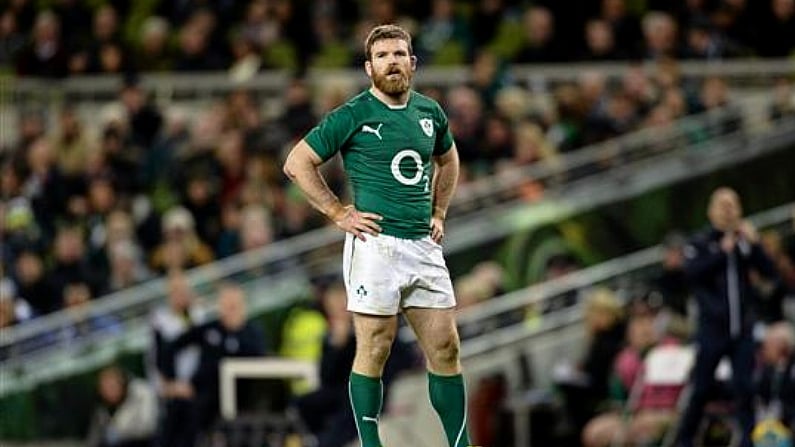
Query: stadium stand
x=141 y=141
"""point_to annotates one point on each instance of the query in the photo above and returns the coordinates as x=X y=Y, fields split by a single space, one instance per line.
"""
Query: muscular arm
x=445 y=179
x=301 y=167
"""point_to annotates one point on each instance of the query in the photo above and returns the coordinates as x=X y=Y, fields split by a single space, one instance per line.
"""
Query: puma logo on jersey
x=376 y=131
x=369 y=419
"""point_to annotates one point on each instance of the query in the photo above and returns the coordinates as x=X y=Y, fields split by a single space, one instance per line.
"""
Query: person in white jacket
x=127 y=413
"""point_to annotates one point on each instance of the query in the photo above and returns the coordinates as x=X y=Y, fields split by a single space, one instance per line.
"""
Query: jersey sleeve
x=328 y=137
x=444 y=139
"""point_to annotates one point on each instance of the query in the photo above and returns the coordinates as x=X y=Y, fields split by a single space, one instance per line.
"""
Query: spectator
x=444 y=38
x=44 y=185
x=181 y=248
x=600 y=42
x=230 y=336
x=776 y=31
x=333 y=51
x=13 y=309
x=76 y=22
x=116 y=228
x=127 y=269
x=247 y=60
x=660 y=36
x=201 y=200
x=143 y=118
x=115 y=160
x=771 y=294
x=585 y=386
x=46 y=54
x=718 y=263
x=255 y=228
x=488 y=16
x=33 y=284
x=714 y=95
x=775 y=382
x=298 y=116
x=182 y=313
x=126 y=415
x=194 y=54
x=327 y=411
x=71 y=145
x=154 y=53
x=626 y=27
x=706 y=43
x=11 y=39
x=540 y=44
x=70 y=264
x=127 y=412
x=105 y=52
x=465 y=112
x=650 y=408
x=303 y=333
x=82 y=322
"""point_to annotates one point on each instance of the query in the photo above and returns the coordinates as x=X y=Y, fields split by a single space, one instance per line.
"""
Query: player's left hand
x=437 y=229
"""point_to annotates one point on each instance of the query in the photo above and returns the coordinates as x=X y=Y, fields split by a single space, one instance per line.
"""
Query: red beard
x=392 y=87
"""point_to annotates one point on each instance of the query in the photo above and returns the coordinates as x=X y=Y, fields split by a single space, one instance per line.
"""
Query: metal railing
x=627 y=266
x=316 y=252
x=742 y=72
x=481 y=196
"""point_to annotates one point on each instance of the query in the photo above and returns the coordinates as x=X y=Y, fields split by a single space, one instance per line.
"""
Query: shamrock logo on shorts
x=361 y=291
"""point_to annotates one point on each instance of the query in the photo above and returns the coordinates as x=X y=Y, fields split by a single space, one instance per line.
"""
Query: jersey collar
x=390 y=106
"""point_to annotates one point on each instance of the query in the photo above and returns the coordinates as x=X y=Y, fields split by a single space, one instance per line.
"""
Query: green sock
x=366 y=394
x=448 y=398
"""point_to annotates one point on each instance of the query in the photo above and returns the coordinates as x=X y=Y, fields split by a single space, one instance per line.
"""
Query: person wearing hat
x=181 y=248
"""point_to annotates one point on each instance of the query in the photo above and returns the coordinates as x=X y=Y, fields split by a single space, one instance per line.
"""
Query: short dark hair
x=383 y=32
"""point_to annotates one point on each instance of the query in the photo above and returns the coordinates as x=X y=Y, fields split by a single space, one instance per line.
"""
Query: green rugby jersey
x=387 y=153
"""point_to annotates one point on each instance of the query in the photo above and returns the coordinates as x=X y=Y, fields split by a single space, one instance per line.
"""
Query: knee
x=375 y=349
x=445 y=353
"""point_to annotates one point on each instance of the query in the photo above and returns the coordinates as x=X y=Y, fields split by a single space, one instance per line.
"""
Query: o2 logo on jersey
x=419 y=174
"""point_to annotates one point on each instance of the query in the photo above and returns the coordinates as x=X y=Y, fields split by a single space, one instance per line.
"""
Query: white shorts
x=385 y=274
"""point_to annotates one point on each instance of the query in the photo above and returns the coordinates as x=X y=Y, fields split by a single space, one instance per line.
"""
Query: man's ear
x=413 y=63
x=368 y=68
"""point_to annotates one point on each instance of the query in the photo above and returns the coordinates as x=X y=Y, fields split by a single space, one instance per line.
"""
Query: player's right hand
x=356 y=222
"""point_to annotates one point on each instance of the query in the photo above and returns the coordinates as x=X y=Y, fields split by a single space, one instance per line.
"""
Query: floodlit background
x=141 y=145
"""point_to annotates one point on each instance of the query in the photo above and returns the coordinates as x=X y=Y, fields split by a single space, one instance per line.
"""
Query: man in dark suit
x=718 y=262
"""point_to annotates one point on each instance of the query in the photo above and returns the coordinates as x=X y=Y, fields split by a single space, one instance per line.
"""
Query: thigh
x=427 y=280
x=369 y=275
x=433 y=327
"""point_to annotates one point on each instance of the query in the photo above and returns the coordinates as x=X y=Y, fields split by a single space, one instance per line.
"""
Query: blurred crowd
x=104 y=197
x=177 y=402
x=244 y=37
x=605 y=395
x=110 y=196
x=614 y=393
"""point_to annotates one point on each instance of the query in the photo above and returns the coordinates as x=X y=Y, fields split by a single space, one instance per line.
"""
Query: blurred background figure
x=143 y=139
x=327 y=411
x=126 y=414
x=230 y=336
x=585 y=384
x=718 y=264
x=775 y=380
x=181 y=313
